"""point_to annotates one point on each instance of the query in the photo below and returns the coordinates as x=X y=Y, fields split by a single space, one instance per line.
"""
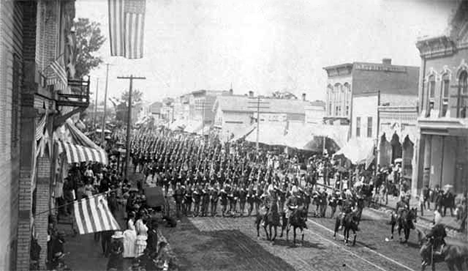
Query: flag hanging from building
x=126 y=27
x=93 y=215
x=60 y=81
x=40 y=127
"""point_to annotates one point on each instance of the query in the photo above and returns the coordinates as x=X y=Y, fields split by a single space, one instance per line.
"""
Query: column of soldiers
x=204 y=174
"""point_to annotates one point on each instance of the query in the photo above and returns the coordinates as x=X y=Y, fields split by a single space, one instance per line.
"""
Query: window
x=369 y=126
x=358 y=126
x=462 y=95
x=431 y=89
x=445 y=95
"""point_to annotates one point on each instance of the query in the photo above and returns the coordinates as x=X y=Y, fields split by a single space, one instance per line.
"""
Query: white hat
x=117 y=235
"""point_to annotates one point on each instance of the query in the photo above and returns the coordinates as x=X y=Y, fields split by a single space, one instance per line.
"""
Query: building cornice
x=440 y=46
x=339 y=70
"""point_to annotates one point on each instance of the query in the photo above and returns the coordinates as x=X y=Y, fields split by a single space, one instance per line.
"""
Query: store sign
x=377 y=67
x=273 y=117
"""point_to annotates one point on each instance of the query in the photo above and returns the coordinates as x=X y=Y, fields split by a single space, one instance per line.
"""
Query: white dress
x=141 y=238
x=129 y=240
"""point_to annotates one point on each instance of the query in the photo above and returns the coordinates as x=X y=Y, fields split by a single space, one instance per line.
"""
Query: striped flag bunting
x=77 y=154
x=61 y=80
x=93 y=215
x=40 y=127
x=126 y=27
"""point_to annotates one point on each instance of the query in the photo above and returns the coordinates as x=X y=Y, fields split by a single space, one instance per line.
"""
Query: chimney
x=251 y=93
x=387 y=61
x=303 y=96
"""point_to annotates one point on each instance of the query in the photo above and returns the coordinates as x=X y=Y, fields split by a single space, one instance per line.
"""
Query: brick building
x=356 y=90
x=347 y=80
x=34 y=96
x=443 y=103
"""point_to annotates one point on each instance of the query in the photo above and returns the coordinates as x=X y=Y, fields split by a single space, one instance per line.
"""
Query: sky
x=262 y=45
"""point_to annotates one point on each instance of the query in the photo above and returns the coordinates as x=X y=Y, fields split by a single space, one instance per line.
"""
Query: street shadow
x=290 y=244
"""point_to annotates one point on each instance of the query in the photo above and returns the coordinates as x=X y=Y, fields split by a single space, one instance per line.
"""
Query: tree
x=88 y=41
x=136 y=96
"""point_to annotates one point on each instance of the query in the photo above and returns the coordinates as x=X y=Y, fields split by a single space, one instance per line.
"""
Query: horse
x=405 y=221
x=350 y=222
x=454 y=254
x=297 y=219
x=270 y=218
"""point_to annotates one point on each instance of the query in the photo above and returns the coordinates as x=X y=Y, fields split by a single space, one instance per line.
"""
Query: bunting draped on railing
x=93 y=215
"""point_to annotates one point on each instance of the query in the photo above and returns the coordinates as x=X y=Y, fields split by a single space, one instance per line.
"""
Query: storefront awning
x=269 y=133
x=358 y=150
x=406 y=131
x=78 y=147
x=243 y=132
x=77 y=154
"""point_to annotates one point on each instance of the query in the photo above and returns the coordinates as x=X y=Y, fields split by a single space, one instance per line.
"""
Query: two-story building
x=443 y=103
x=356 y=90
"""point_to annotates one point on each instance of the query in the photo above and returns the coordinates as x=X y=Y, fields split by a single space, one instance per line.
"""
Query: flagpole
x=105 y=106
x=96 y=104
x=129 y=120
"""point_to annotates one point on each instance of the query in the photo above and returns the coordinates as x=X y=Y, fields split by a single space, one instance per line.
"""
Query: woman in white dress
x=130 y=236
x=142 y=231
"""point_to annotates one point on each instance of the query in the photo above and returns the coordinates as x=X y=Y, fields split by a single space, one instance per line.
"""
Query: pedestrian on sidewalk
x=116 y=259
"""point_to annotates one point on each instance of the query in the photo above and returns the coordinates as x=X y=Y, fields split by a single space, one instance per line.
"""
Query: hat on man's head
x=117 y=235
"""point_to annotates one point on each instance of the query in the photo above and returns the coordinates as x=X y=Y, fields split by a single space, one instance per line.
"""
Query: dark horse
x=297 y=219
x=270 y=218
x=350 y=222
x=454 y=254
x=405 y=219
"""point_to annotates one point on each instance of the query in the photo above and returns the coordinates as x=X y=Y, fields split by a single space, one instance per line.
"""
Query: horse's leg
x=274 y=237
x=354 y=237
x=337 y=225
x=294 y=229
x=266 y=232
x=287 y=231
x=393 y=228
x=399 y=230
x=258 y=221
x=302 y=232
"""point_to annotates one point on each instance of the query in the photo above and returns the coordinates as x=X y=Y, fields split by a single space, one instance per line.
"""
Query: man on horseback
x=401 y=205
x=349 y=205
x=436 y=239
x=291 y=204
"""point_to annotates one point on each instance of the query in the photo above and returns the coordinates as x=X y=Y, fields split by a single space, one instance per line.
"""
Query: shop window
x=369 y=126
x=445 y=95
x=358 y=126
x=462 y=95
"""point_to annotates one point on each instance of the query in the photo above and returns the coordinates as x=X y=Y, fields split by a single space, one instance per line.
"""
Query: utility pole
x=105 y=106
x=129 y=119
x=95 y=105
x=258 y=107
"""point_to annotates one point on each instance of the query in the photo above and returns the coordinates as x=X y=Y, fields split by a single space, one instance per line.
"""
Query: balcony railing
x=78 y=96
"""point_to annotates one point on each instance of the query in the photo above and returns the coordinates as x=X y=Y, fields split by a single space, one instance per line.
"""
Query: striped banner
x=61 y=74
x=77 y=154
x=126 y=27
x=93 y=215
x=40 y=127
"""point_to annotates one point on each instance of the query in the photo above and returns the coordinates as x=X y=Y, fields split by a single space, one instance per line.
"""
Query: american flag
x=126 y=27
x=40 y=128
x=60 y=81
x=93 y=215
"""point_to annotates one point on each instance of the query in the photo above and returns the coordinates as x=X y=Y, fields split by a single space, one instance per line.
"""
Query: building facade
x=443 y=100
x=39 y=92
x=398 y=136
x=359 y=78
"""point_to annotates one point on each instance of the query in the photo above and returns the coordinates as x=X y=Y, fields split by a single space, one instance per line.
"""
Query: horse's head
x=412 y=214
